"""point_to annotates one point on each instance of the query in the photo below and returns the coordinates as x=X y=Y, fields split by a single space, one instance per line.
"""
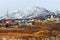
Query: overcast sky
x=51 y=5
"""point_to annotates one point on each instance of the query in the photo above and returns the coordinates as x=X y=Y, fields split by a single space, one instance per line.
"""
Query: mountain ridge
x=34 y=12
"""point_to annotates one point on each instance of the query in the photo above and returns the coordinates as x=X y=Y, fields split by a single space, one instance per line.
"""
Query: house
x=23 y=21
x=52 y=17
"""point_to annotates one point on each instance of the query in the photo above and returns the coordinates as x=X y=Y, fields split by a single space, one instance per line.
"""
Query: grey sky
x=51 y=5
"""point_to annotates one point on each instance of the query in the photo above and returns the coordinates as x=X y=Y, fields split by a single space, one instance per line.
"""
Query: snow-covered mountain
x=34 y=12
x=57 y=13
x=37 y=12
x=13 y=15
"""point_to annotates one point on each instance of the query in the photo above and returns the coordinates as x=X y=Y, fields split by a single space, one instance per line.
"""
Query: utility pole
x=7 y=14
